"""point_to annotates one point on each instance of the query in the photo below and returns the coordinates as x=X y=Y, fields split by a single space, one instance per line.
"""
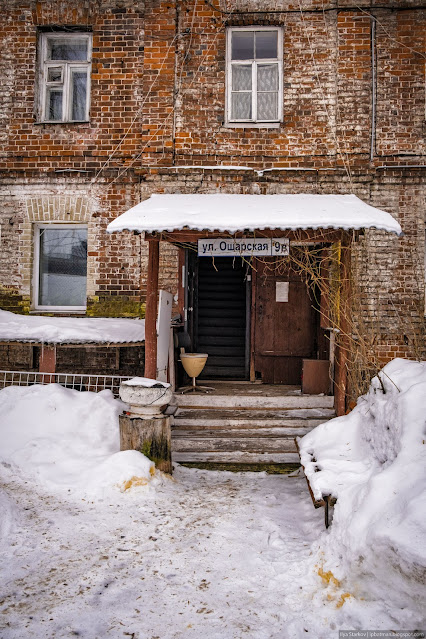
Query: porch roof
x=232 y=213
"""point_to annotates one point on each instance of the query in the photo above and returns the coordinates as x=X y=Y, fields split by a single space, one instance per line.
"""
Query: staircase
x=255 y=425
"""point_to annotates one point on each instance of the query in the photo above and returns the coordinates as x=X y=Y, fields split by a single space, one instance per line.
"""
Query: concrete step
x=258 y=401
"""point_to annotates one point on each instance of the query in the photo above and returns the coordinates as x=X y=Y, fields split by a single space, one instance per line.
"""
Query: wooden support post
x=342 y=350
x=151 y=310
x=253 y=274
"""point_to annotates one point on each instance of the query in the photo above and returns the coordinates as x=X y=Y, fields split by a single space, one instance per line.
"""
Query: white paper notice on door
x=281 y=291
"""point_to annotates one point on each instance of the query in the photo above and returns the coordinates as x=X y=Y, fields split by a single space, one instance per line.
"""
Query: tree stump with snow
x=145 y=428
x=151 y=437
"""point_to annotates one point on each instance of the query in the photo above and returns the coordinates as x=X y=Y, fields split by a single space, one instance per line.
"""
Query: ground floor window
x=60 y=267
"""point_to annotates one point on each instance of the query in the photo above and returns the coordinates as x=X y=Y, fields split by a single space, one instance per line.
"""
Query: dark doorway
x=220 y=307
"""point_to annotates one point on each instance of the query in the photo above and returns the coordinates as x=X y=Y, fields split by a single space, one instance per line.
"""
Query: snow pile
x=68 y=440
x=69 y=330
x=373 y=461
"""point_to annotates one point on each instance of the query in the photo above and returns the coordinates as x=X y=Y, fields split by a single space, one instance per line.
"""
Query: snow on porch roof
x=223 y=212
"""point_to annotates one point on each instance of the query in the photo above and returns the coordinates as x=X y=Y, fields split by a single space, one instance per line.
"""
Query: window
x=60 y=272
x=65 y=77
x=254 y=70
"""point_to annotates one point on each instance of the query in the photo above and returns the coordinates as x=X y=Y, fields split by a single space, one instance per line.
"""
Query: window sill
x=55 y=311
x=252 y=125
x=60 y=123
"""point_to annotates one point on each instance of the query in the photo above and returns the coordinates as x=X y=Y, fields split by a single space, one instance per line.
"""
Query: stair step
x=284 y=402
x=239 y=425
x=183 y=432
x=236 y=457
x=251 y=418
x=230 y=444
x=255 y=413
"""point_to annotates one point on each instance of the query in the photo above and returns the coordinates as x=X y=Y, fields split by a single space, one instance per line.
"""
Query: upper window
x=65 y=77
x=254 y=58
x=60 y=267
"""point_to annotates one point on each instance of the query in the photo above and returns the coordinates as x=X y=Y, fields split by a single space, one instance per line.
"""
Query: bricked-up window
x=254 y=67
x=60 y=267
x=65 y=77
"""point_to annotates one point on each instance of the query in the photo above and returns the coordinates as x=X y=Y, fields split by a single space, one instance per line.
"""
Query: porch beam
x=151 y=309
x=307 y=235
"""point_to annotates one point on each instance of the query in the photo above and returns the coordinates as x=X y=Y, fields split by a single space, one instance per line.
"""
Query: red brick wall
x=158 y=102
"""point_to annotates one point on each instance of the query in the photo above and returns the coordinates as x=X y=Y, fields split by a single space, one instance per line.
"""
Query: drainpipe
x=373 y=88
x=175 y=81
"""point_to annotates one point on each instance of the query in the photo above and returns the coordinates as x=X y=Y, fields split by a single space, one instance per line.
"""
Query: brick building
x=106 y=102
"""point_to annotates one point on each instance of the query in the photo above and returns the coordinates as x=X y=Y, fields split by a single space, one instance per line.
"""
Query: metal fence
x=80 y=382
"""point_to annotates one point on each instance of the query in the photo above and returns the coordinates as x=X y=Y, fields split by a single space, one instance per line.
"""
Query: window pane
x=54 y=104
x=54 y=74
x=242 y=45
x=266 y=44
x=267 y=106
x=241 y=106
x=63 y=267
x=267 y=77
x=241 y=77
x=79 y=91
x=67 y=49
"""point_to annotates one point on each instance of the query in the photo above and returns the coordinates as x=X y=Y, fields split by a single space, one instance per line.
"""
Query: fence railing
x=80 y=382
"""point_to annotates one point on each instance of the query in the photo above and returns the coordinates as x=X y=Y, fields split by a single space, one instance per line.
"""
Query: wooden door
x=284 y=331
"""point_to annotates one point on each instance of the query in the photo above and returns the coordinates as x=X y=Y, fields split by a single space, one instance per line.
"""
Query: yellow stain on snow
x=152 y=471
x=342 y=599
x=133 y=482
x=328 y=578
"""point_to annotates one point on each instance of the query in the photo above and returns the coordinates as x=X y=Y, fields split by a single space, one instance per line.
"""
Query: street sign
x=247 y=246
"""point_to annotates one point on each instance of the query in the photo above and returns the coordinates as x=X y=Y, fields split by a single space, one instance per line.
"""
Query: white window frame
x=36 y=268
x=68 y=67
x=229 y=63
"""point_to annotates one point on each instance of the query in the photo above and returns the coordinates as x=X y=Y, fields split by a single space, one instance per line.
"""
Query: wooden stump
x=151 y=437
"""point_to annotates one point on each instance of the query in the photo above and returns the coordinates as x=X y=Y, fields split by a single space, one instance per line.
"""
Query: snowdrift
x=68 y=440
x=373 y=461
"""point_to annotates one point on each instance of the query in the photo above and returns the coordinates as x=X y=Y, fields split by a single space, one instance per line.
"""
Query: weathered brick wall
x=158 y=85
x=80 y=360
x=158 y=102
x=401 y=40
x=117 y=68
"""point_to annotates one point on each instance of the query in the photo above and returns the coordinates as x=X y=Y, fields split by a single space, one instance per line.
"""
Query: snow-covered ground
x=97 y=544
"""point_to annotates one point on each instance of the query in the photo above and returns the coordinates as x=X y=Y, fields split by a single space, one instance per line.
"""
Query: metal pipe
x=373 y=87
